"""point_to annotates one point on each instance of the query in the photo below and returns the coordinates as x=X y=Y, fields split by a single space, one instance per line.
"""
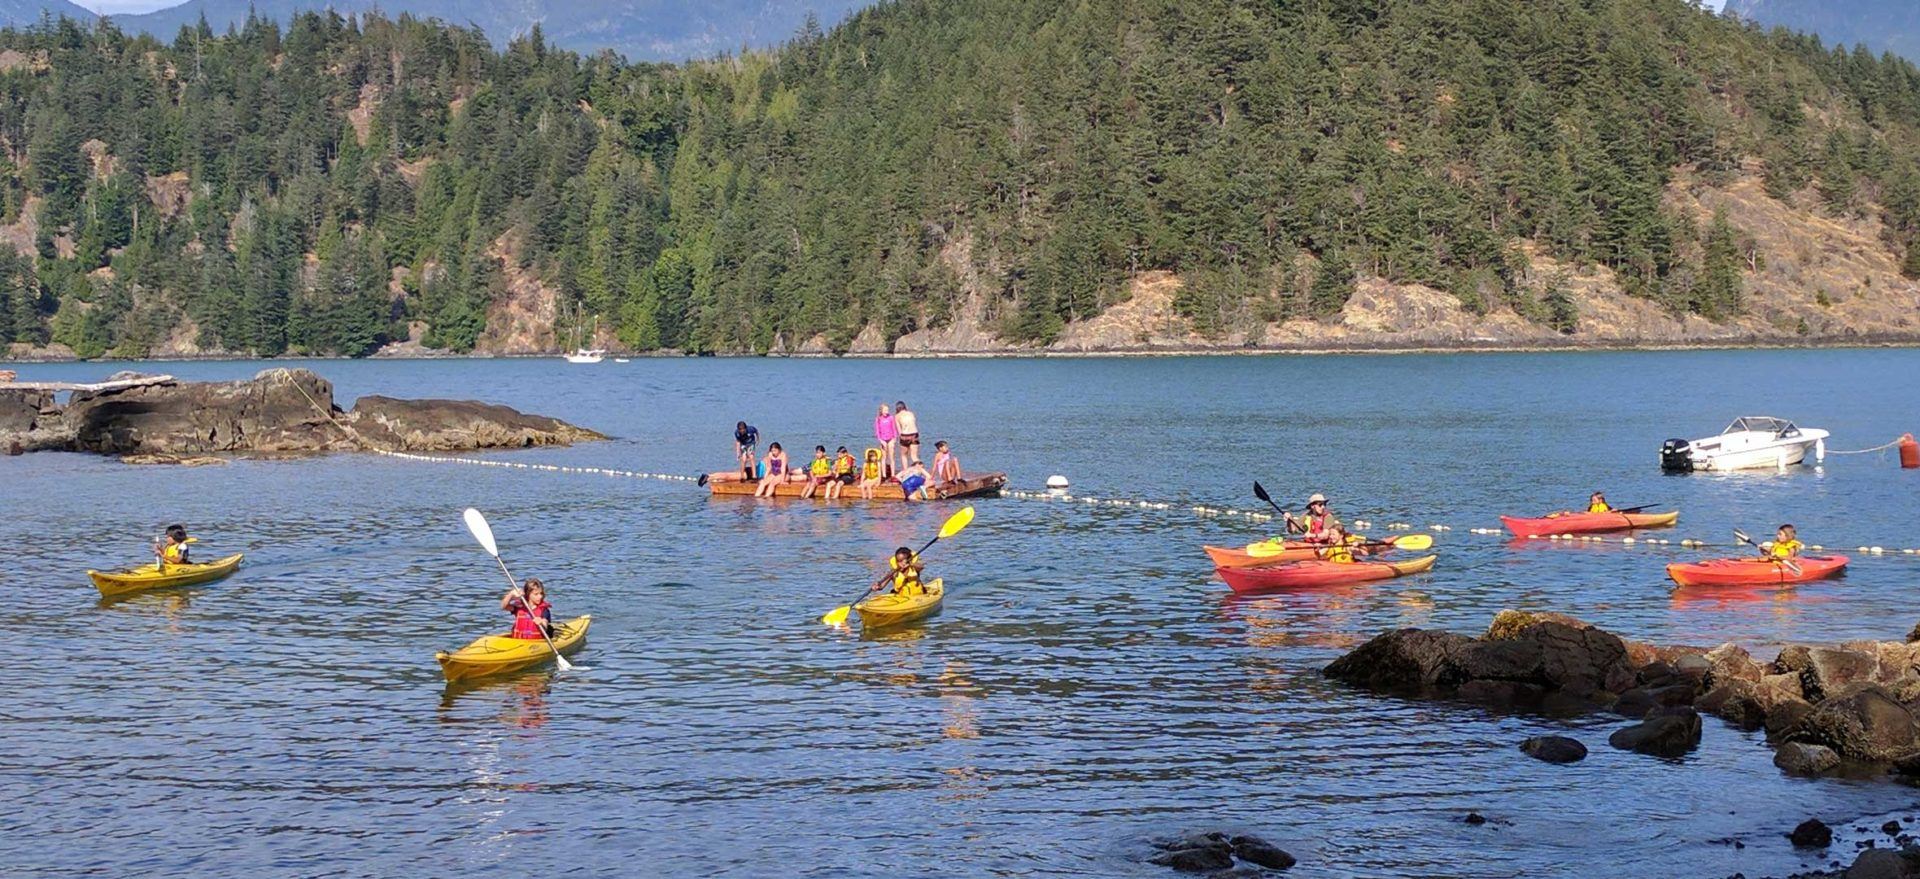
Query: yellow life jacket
x=844 y=464
x=1786 y=549
x=820 y=467
x=1338 y=553
x=174 y=554
x=871 y=470
x=906 y=581
x=1599 y=507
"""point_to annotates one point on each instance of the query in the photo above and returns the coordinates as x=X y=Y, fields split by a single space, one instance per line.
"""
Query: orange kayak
x=1756 y=571
x=1271 y=552
x=1586 y=523
x=1319 y=573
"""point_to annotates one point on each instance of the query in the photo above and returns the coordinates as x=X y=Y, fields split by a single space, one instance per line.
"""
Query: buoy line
x=1201 y=510
x=550 y=468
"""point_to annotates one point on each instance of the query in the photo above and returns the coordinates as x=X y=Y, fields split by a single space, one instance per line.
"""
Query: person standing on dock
x=885 y=431
x=908 y=426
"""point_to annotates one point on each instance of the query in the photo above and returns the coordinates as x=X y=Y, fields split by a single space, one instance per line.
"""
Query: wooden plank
x=968 y=485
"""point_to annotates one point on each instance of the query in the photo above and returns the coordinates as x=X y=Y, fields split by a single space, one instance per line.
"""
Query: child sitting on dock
x=776 y=471
x=872 y=473
x=819 y=472
x=532 y=615
x=172 y=549
x=845 y=473
x=946 y=467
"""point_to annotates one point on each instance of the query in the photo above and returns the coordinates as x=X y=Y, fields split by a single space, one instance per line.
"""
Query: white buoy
x=1057 y=482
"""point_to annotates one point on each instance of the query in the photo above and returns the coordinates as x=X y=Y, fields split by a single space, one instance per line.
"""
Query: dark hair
x=774 y=447
x=842 y=449
x=1788 y=528
x=177 y=532
x=532 y=583
x=821 y=449
x=899 y=405
x=903 y=549
x=741 y=427
x=940 y=445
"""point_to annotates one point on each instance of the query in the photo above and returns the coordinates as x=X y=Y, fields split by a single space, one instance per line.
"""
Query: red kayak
x=1586 y=523
x=1756 y=571
x=1272 y=552
x=1319 y=573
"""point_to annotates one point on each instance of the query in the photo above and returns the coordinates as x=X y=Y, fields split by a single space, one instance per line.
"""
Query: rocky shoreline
x=151 y=419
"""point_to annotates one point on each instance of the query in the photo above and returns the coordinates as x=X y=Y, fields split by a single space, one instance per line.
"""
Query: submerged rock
x=1554 y=749
x=1811 y=833
x=1261 y=853
x=1214 y=853
x=1800 y=758
x=1661 y=735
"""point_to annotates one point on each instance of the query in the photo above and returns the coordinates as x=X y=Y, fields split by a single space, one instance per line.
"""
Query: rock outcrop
x=1825 y=705
x=278 y=410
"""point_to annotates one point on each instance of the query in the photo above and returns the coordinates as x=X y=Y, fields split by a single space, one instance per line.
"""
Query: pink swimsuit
x=883 y=429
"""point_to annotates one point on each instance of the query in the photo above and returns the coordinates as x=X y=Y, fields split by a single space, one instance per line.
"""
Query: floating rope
x=550 y=468
x=1879 y=448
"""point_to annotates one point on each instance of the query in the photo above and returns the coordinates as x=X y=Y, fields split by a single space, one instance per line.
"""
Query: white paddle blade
x=482 y=532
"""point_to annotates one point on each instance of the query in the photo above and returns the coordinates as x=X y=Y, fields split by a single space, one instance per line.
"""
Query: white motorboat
x=586 y=355
x=1750 y=442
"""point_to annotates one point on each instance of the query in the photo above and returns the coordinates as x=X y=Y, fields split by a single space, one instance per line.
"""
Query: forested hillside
x=1021 y=166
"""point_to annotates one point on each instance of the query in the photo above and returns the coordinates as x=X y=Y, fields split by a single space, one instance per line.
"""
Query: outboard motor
x=1676 y=456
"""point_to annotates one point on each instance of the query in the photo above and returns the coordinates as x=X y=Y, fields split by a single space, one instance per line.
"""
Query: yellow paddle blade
x=1413 y=541
x=957 y=522
x=1266 y=548
x=838 y=615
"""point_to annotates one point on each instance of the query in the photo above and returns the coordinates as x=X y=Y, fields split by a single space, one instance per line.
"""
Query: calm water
x=1088 y=687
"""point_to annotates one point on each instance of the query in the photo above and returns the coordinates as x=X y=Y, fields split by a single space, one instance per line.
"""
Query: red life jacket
x=526 y=624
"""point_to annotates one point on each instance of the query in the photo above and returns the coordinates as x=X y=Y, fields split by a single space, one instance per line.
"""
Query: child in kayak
x=872 y=473
x=532 y=615
x=172 y=549
x=905 y=576
x=1786 y=544
x=1341 y=547
x=776 y=471
x=1598 y=504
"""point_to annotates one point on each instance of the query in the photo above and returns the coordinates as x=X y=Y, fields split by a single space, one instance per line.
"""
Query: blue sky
x=114 y=6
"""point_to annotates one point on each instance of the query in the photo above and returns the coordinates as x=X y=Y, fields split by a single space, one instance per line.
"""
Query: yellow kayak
x=888 y=609
x=494 y=654
x=156 y=576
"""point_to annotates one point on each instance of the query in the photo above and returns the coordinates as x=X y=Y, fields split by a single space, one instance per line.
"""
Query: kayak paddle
x=1743 y=538
x=1260 y=491
x=482 y=532
x=1635 y=509
x=954 y=525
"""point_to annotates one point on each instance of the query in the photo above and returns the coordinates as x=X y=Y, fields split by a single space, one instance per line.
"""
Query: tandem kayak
x=1586 y=523
x=496 y=654
x=1319 y=573
x=1269 y=552
x=1756 y=571
x=155 y=576
x=888 y=609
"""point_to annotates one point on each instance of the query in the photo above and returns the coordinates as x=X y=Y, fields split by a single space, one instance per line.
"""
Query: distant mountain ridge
x=21 y=13
x=1882 y=25
x=641 y=30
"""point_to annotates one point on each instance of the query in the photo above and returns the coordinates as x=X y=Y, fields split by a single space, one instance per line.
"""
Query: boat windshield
x=1775 y=426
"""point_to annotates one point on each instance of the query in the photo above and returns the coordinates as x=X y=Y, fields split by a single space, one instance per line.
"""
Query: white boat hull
x=1755 y=459
x=1750 y=443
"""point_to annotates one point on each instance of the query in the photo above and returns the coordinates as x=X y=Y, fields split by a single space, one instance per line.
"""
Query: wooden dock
x=968 y=485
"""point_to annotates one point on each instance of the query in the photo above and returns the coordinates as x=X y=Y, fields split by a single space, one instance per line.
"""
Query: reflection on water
x=1089 y=686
